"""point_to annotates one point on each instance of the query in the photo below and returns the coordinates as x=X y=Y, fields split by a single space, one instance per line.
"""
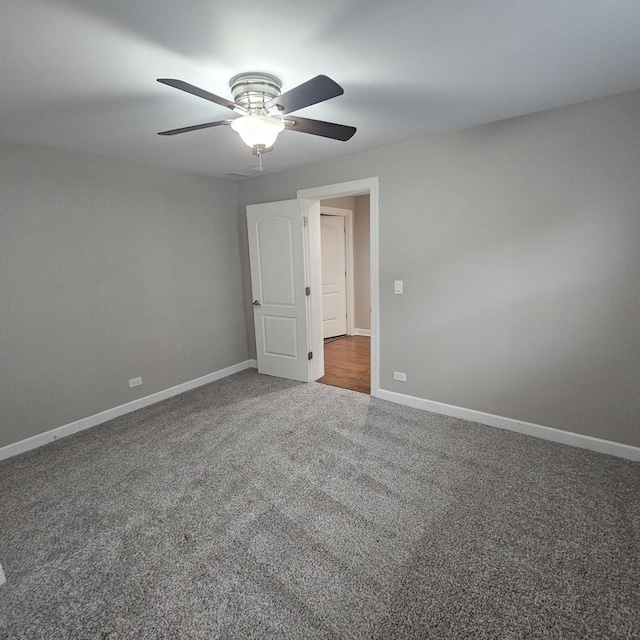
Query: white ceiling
x=81 y=74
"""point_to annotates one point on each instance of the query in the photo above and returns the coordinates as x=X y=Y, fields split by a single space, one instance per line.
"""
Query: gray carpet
x=256 y=507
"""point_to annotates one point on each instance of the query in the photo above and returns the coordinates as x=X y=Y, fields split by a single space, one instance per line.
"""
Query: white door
x=276 y=252
x=334 y=276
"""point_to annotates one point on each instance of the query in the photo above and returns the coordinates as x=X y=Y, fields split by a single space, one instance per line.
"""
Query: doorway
x=350 y=361
x=345 y=265
x=286 y=282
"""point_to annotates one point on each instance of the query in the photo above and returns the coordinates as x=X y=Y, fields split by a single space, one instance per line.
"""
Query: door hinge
x=305 y=221
x=310 y=355
x=307 y=291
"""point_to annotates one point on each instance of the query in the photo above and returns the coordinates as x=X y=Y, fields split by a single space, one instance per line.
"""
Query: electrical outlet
x=135 y=382
x=399 y=376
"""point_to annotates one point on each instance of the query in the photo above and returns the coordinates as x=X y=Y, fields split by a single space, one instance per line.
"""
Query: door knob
x=256 y=303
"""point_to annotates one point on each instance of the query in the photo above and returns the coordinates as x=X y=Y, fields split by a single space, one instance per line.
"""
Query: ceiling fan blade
x=195 y=127
x=312 y=91
x=201 y=93
x=319 y=128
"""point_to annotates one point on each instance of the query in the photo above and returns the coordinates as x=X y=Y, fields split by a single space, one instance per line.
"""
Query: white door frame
x=310 y=199
x=347 y=214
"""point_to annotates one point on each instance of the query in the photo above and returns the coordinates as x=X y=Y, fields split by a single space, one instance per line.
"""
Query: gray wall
x=518 y=245
x=361 y=260
x=109 y=271
x=347 y=202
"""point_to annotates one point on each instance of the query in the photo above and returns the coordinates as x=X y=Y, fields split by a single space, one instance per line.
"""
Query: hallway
x=347 y=363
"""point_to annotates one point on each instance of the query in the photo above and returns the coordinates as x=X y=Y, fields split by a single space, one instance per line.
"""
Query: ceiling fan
x=263 y=112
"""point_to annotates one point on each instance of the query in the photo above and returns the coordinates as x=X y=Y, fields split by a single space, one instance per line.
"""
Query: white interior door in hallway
x=334 y=276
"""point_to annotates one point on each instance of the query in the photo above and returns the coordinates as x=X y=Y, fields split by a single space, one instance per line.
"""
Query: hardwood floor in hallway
x=347 y=363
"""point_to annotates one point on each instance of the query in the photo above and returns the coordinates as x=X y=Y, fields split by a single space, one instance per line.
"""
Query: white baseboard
x=528 y=428
x=98 y=418
x=362 y=332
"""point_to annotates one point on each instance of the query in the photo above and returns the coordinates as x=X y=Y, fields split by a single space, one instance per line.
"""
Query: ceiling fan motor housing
x=254 y=89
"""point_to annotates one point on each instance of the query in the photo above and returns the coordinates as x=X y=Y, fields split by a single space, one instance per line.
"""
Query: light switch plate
x=398 y=286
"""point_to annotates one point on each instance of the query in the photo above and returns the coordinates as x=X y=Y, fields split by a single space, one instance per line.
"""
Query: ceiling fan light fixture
x=257 y=129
